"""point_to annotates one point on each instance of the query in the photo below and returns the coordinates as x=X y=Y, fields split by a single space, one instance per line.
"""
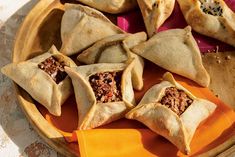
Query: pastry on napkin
x=103 y=92
x=172 y=111
x=140 y=140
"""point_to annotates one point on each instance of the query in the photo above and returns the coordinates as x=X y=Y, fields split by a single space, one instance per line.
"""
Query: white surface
x=17 y=138
x=9 y=7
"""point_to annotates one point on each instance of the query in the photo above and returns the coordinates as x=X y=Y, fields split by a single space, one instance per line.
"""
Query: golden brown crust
x=39 y=84
x=113 y=7
x=92 y=113
x=87 y=10
x=116 y=49
x=155 y=13
x=175 y=50
x=215 y=26
x=179 y=129
x=82 y=26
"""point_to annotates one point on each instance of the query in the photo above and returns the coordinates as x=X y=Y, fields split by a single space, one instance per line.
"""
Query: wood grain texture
x=41 y=29
x=229 y=152
x=221 y=67
x=228 y=147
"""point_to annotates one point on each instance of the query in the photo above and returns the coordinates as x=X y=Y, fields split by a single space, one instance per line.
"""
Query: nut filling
x=54 y=68
x=107 y=86
x=211 y=7
x=177 y=100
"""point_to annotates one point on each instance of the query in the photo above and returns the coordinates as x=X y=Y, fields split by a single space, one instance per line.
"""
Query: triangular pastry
x=177 y=51
x=82 y=26
x=113 y=7
x=155 y=13
x=116 y=49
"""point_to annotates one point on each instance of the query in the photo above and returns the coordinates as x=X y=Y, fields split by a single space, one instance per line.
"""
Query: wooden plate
x=41 y=29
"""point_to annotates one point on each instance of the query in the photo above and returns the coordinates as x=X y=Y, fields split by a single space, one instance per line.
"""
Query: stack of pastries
x=112 y=65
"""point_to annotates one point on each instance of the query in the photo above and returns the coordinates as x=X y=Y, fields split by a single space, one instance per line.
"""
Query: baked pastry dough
x=109 y=6
x=155 y=12
x=44 y=78
x=82 y=26
x=177 y=51
x=116 y=49
x=103 y=92
x=172 y=111
x=212 y=18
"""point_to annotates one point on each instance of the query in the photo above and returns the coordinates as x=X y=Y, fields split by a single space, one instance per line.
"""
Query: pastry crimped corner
x=116 y=49
x=155 y=13
x=103 y=92
x=172 y=111
x=49 y=86
x=176 y=51
x=212 y=18
x=113 y=7
x=82 y=26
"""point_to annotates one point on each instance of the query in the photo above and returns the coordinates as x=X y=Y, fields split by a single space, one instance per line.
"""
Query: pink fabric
x=132 y=22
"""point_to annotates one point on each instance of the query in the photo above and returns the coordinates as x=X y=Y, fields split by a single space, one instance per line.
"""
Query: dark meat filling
x=106 y=86
x=211 y=7
x=54 y=68
x=177 y=100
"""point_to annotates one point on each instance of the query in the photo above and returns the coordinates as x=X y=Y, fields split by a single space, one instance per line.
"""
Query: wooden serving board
x=41 y=29
x=221 y=67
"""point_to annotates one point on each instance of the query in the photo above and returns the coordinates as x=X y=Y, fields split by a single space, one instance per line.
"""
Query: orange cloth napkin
x=128 y=138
